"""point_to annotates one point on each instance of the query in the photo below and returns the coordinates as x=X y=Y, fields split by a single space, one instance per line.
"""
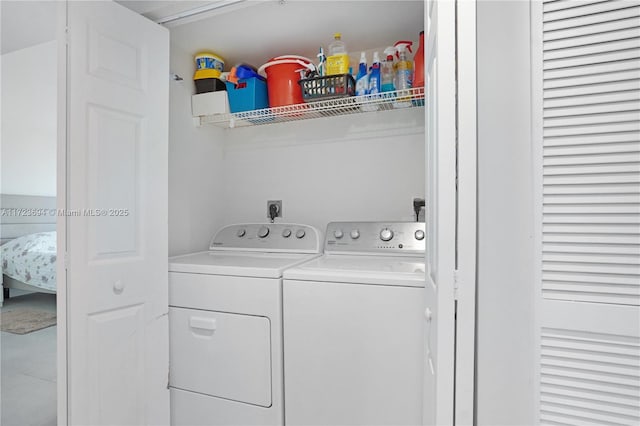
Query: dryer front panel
x=221 y=354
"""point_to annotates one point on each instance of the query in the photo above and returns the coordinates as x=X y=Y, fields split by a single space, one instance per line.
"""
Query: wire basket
x=327 y=87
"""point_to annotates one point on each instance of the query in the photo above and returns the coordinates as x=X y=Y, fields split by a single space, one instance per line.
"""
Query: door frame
x=61 y=222
x=466 y=227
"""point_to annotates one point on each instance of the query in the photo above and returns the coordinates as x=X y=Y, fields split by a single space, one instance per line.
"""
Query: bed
x=27 y=244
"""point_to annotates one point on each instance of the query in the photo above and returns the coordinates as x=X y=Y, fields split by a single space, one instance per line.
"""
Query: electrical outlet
x=418 y=208
x=278 y=207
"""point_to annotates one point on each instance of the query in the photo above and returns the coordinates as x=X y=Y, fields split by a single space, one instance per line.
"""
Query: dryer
x=225 y=320
x=353 y=328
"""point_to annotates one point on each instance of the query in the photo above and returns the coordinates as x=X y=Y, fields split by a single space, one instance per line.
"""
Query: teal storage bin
x=249 y=94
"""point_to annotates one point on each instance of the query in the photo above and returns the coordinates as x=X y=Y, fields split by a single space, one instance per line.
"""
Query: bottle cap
x=337 y=36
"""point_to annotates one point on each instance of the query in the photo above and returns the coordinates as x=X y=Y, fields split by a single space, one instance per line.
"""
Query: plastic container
x=205 y=85
x=208 y=65
x=338 y=59
x=327 y=87
x=283 y=74
x=404 y=66
x=386 y=71
x=418 y=64
x=247 y=95
x=362 y=79
x=374 y=76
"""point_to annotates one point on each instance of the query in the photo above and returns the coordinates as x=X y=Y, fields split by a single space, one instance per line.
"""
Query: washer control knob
x=419 y=234
x=263 y=231
x=300 y=233
x=386 y=234
x=355 y=234
x=286 y=233
x=241 y=233
x=338 y=233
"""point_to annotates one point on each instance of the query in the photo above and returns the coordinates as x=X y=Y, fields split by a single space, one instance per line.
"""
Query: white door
x=441 y=213
x=116 y=183
x=586 y=97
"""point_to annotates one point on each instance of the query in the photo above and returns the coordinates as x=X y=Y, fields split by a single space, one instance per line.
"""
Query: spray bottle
x=404 y=66
x=362 y=79
x=386 y=70
x=374 y=76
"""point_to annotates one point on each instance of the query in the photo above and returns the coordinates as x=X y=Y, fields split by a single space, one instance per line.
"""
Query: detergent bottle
x=338 y=59
x=386 y=70
x=404 y=66
x=418 y=64
x=374 y=76
x=362 y=79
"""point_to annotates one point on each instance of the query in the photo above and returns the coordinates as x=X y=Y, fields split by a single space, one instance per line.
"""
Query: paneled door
x=117 y=68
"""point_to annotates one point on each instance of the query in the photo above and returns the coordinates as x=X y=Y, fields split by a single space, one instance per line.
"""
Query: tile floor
x=28 y=370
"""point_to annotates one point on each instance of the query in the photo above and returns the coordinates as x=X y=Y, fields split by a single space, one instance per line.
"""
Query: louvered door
x=586 y=112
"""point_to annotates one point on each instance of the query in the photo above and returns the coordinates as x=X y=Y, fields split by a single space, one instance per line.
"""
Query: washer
x=225 y=320
x=353 y=328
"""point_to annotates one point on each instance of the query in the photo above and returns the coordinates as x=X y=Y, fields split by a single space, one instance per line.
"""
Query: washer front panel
x=376 y=238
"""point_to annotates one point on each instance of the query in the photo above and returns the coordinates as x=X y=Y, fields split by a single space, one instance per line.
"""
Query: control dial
x=241 y=233
x=338 y=233
x=286 y=233
x=386 y=234
x=300 y=233
x=419 y=234
x=355 y=234
x=263 y=231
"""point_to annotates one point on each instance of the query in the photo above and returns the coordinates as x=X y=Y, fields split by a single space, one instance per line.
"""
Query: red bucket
x=283 y=74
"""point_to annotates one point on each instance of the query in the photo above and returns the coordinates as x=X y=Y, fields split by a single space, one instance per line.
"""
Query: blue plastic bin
x=249 y=94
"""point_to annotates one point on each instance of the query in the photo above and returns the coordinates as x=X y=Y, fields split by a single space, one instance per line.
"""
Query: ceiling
x=26 y=23
x=251 y=31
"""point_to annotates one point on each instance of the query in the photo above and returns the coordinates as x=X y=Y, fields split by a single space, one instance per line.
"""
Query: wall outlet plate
x=278 y=204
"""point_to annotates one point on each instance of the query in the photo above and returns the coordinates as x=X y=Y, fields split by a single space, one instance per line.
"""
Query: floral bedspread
x=31 y=259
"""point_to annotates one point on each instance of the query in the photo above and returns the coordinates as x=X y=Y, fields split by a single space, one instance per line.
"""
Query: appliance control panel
x=375 y=238
x=269 y=237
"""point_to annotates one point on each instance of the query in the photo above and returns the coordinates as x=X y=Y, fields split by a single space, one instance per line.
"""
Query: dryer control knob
x=419 y=234
x=263 y=232
x=286 y=233
x=355 y=234
x=386 y=234
x=338 y=233
x=241 y=233
x=300 y=233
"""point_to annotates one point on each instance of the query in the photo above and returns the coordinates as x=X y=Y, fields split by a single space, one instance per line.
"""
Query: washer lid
x=358 y=269
x=237 y=263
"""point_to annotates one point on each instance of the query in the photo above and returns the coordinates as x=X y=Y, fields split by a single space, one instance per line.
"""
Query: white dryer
x=225 y=320
x=353 y=328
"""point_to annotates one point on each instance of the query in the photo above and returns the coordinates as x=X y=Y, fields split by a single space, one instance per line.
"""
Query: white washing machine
x=353 y=328
x=225 y=320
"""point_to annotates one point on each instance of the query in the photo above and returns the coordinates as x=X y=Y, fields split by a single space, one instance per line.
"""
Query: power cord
x=418 y=204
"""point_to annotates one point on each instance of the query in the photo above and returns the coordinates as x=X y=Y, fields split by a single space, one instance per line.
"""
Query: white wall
x=505 y=363
x=359 y=167
x=195 y=167
x=29 y=105
x=353 y=168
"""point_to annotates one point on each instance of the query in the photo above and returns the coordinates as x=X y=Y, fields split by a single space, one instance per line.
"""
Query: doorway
x=28 y=381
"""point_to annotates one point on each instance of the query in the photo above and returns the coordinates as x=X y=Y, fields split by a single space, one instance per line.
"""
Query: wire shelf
x=400 y=99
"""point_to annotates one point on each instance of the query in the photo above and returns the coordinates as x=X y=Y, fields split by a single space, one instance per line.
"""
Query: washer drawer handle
x=202 y=323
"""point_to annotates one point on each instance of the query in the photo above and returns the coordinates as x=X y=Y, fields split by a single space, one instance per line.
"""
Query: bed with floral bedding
x=29 y=262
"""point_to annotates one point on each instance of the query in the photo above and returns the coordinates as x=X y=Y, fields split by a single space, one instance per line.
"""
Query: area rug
x=24 y=321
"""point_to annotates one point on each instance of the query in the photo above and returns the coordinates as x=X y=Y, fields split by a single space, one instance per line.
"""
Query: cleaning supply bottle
x=404 y=67
x=418 y=64
x=338 y=59
x=362 y=79
x=386 y=70
x=374 y=76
